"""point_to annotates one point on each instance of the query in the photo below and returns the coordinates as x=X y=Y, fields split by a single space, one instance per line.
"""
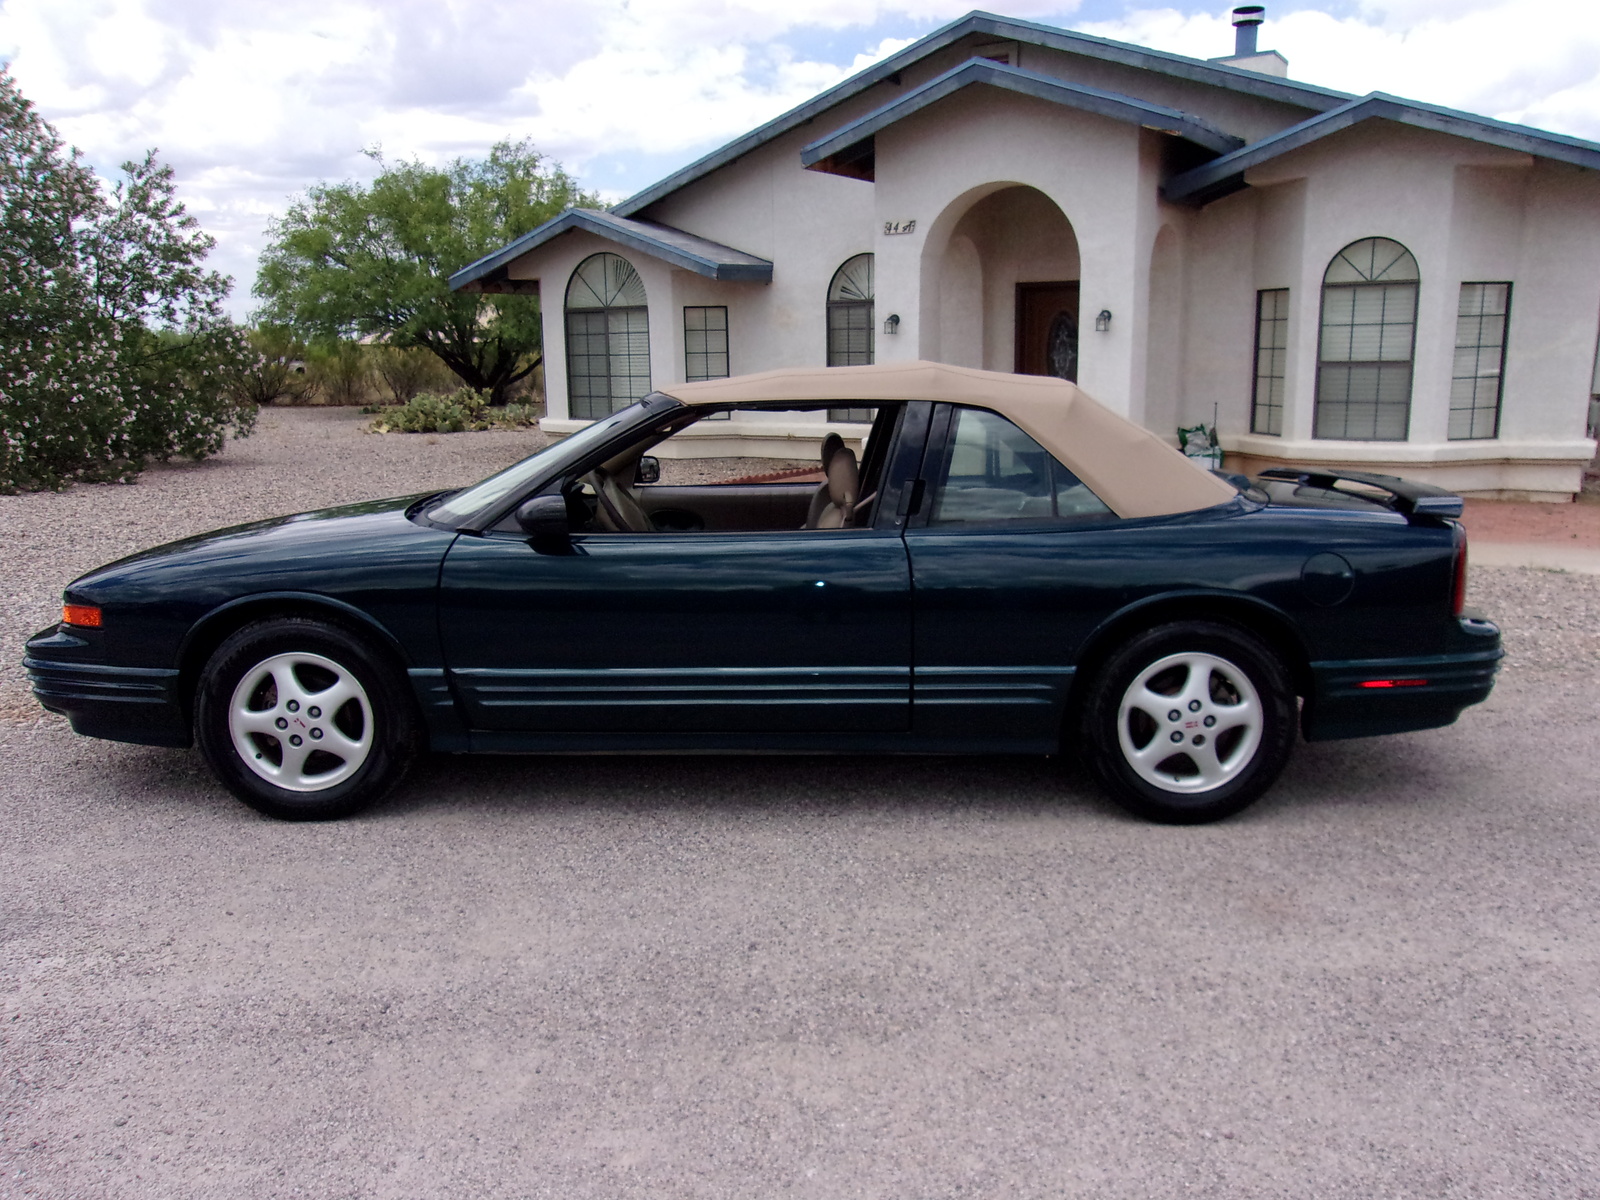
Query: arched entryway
x=1001 y=268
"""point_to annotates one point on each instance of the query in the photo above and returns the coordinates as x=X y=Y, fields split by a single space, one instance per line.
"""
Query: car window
x=771 y=468
x=993 y=471
x=495 y=488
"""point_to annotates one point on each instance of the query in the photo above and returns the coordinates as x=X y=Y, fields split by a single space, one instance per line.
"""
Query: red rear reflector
x=80 y=614
x=1392 y=683
x=1458 y=600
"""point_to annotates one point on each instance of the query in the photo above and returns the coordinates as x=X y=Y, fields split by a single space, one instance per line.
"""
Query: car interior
x=624 y=494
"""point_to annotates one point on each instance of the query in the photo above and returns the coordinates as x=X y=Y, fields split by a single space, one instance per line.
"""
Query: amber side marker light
x=1393 y=683
x=80 y=614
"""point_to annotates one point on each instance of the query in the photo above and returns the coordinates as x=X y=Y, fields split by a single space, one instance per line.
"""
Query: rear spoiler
x=1412 y=499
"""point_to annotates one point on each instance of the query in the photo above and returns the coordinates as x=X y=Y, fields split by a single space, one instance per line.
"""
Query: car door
x=681 y=633
x=1015 y=561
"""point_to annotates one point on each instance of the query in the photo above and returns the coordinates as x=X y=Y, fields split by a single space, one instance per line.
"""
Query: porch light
x=891 y=323
x=1102 y=321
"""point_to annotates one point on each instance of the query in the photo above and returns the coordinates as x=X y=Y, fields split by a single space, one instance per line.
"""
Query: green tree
x=113 y=345
x=350 y=261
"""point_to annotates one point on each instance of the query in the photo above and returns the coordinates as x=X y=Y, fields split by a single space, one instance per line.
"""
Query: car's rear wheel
x=302 y=720
x=1190 y=722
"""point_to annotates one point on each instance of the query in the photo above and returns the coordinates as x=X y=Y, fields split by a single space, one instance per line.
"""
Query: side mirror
x=649 y=470
x=544 y=516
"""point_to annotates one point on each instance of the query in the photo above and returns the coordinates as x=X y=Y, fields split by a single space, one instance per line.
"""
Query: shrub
x=461 y=411
x=406 y=373
x=113 y=345
x=338 y=373
x=273 y=371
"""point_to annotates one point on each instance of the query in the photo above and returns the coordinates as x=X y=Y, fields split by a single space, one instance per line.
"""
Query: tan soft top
x=1131 y=469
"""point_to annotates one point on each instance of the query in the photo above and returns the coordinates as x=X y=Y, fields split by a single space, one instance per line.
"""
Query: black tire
x=1202 y=777
x=364 y=742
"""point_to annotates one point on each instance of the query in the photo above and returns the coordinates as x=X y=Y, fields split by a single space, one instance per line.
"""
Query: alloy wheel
x=301 y=722
x=1189 y=722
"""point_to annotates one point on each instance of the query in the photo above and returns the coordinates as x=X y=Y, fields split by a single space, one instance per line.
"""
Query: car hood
x=281 y=546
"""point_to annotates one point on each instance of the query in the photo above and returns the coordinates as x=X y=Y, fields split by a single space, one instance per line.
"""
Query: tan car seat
x=834 y=504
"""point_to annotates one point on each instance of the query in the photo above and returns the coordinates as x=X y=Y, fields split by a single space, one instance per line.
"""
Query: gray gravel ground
x=891 y=978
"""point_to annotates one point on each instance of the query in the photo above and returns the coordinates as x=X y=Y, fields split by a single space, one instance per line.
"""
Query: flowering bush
x=459 y=412
x=113 y=345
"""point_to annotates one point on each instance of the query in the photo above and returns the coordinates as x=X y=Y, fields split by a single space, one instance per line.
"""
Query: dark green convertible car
x=1007 y=568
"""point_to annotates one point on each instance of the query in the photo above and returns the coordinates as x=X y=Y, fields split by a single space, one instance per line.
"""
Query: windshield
x=463 y=504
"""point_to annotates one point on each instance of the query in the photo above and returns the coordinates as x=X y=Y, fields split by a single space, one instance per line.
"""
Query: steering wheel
x=619 y=508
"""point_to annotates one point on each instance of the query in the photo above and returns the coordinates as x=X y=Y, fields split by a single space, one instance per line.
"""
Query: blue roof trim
x=1027 y=83
x=996 y=29
x=697 y=254
x=1224 y=175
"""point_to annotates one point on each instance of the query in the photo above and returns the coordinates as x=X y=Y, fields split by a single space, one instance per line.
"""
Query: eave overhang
x=850 y=150
x=992 y=28
x=685 y=250
x=1220 y=177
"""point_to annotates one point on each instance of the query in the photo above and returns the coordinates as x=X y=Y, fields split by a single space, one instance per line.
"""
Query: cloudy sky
x=253 y=101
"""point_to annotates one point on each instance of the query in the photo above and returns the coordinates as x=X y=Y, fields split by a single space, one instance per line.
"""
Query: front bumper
x=124 y=704
x=1365 y=697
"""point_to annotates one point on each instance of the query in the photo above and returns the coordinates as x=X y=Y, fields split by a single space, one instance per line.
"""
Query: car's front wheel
x=1190 y=722
x=302 y=720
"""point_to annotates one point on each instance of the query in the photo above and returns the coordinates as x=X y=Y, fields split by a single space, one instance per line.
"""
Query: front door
x=804 y=631
x=1047 y=329
x=743 y=628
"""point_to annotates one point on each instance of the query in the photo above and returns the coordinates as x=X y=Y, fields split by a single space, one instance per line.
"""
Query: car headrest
x=831 y=445
x=844 y=478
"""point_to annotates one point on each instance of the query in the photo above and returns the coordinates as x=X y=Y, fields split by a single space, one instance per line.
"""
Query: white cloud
x=253 y=102
x=1534 y=64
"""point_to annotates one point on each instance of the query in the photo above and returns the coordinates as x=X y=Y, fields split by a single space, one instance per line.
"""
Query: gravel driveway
x=897 y=978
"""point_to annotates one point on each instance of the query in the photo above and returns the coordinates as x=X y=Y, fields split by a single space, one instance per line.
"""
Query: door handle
x=911 y=499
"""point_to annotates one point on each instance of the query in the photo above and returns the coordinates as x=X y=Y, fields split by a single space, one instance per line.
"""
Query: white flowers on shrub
x=113 y=345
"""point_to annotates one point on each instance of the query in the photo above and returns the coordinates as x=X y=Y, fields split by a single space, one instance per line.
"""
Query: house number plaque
x=890 y=228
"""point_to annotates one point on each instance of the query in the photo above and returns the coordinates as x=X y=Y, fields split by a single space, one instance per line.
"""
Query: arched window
x=1369 y=322
x=608 y=337
x=850 y=327
x=850 y=339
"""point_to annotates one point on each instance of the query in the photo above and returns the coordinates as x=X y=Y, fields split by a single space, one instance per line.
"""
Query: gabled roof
x=841 y=150
x=1222 y=176
x=993 y=28
x=697 y=254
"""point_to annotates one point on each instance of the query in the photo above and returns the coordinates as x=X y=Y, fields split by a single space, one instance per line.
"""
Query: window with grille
x=1368 y=335
x=608 y=337
x=850 y=324
x=1479 y=373
x=705 y=342
x=1272 y=341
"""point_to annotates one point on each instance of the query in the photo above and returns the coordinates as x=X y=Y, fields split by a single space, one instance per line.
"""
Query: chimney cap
x=1249 y=14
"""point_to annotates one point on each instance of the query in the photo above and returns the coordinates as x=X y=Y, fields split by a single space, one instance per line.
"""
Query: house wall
x=939 y=164
x=1468 y=213
x=552 y=266
x=1006 y=189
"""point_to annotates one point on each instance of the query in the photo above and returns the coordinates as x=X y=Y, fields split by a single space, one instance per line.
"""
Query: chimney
x=1247 y=19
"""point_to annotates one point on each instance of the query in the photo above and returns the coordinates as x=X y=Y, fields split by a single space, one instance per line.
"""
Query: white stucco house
x=1364 y=281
